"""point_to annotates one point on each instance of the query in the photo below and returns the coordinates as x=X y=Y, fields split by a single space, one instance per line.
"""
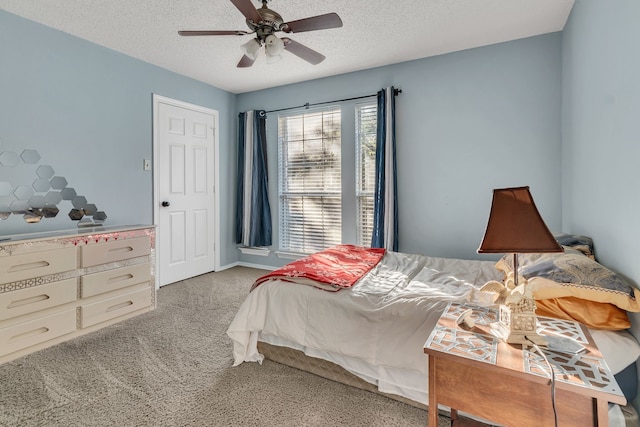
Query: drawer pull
x=120 y=278
x=119 y=306
x=31 y=300
x=28 y=334
x=28 y=266
x=121 y=250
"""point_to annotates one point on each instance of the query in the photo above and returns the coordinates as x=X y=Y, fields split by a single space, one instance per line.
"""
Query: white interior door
x=185 y=212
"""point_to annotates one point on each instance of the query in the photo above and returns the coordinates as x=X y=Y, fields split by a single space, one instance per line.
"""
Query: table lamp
x=515 y=226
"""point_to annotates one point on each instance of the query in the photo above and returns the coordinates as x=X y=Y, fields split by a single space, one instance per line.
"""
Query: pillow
x=618 y=348
x=572 y=274
x=593 y=314
x=580 y=243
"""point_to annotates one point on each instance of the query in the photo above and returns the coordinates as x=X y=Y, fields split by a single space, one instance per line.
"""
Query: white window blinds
x=366 y=121
x=310 y=187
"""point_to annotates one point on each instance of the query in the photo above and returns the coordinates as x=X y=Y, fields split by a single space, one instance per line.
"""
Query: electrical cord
x=553 y=380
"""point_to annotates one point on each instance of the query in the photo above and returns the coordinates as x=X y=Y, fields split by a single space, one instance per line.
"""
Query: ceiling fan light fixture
x=273 y=45
x=271 y=59
x=251 y=48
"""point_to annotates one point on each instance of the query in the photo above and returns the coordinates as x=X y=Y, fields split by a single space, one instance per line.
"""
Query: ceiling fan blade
x=320 y=22
x=214 y=33
x=300 y=50
x=245 y=62
x=248 y=10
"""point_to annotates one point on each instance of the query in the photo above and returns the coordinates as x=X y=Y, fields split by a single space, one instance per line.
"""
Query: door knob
x=166 y=204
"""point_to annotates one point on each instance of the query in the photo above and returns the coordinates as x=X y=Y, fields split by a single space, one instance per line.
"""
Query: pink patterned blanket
x=332 y=269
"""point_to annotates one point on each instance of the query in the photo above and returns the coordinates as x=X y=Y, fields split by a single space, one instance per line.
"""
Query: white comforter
x=376 y=329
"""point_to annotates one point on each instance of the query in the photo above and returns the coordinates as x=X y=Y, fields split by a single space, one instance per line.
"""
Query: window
x=366 y=122
x=310 y=182
x=320 y=204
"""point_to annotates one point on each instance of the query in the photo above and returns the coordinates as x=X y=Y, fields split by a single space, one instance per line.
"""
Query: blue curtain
x=253 y=213
x=385 y=204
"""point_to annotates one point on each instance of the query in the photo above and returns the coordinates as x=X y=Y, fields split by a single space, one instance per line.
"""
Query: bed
x=368 y=327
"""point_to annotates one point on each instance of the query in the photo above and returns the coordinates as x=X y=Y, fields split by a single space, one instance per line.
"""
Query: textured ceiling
x=375 y=32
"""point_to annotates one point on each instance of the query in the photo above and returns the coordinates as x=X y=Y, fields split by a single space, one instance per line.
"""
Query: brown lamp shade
x=515 y=225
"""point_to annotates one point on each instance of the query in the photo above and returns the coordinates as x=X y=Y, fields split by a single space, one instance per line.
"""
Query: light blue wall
x=467 y=122
x=601 y=131
x=87 y=110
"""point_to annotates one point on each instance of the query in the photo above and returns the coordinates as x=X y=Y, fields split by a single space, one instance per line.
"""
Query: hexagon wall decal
x=30 y=157
x=9 y=158
x=45 y=171
x=50 y=211
x=76 y=214
x=79 y=202
x=68 y=194
x=90 y=209
x=100 y=216
x=19 y=206
x=37 y=200
x=23 y=192
x=41 y=185
x=58 y=182
x=32 y=216
x=53 y=197
x=5 y=189
x=5 y=211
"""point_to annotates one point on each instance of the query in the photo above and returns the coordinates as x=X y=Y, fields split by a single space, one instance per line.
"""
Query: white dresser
x=59 y=285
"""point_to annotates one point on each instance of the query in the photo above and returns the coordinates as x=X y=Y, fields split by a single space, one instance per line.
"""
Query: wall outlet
x=147 y=165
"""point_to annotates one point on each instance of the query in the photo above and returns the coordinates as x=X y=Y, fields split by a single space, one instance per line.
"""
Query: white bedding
x=376 y=329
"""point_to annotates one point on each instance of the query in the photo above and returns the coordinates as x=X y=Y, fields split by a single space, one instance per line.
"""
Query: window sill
x=254 y=251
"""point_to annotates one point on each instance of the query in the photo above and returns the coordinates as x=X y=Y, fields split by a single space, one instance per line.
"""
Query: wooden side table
x=471 y=370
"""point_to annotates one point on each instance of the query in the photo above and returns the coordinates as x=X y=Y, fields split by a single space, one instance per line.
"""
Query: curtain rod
x=396 y=92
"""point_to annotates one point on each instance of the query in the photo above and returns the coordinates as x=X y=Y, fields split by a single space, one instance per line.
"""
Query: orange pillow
x=596 y=315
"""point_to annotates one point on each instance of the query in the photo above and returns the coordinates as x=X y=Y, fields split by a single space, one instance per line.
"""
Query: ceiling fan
x=264 y=22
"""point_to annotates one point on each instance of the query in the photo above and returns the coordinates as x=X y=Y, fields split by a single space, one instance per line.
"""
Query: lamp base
x=524 y=339
x=518 y=326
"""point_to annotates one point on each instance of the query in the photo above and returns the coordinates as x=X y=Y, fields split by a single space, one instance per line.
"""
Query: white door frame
x=157 y=99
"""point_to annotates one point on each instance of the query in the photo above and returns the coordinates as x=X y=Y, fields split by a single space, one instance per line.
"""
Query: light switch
x=147 y=164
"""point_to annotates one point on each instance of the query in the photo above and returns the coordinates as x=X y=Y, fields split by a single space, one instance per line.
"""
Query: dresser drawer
x=23 y=335
x=118 y=278
x=30 y=300
x=92 y=314
x=116 y=250
x=35 y=264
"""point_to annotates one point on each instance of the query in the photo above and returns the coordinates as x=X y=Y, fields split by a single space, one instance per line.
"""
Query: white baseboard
x=247 y=264
x=228 y=266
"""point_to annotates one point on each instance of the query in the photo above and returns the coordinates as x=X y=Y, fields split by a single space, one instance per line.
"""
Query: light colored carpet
x=172 y=367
